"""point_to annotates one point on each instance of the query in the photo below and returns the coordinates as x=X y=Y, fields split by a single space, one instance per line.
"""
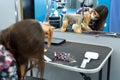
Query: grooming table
x=77 y=50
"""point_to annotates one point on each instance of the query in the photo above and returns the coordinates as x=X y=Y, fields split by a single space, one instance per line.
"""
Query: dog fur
x=48 y=30
x=25 y=40
x=76 y=19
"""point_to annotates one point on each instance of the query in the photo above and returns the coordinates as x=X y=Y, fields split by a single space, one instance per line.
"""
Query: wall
x=7 y=13
x=107 y=3
x=115 y=16
x=40 y=10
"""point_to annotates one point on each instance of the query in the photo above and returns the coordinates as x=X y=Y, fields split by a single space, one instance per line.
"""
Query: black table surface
x=77 y=51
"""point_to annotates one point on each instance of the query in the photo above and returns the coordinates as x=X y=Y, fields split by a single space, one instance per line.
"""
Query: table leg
x=85 y=77
x=100 y=75
x=108 y=68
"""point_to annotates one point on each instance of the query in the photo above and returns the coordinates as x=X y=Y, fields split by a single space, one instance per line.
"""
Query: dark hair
x=99 y=24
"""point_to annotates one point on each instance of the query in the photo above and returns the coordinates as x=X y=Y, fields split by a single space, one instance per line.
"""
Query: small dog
x=79 y=21
x=48 y=30
x=25 y=40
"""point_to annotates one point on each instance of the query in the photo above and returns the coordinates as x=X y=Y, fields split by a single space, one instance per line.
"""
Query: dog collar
x=82 y=24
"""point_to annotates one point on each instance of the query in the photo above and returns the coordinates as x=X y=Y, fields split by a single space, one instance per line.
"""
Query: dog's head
x=94 y=14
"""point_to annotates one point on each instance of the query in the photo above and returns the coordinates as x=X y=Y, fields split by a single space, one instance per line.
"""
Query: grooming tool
x=89 y=56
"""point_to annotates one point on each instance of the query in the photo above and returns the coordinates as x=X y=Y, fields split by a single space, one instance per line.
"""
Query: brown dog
x=25 y=40
x=79 y=21
x=48 y=30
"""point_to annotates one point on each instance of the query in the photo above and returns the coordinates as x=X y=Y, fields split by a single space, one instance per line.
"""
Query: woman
x=98 y=25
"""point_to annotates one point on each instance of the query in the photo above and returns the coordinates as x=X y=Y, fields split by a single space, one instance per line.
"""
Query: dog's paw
x=77 y=29
x=63 y=29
